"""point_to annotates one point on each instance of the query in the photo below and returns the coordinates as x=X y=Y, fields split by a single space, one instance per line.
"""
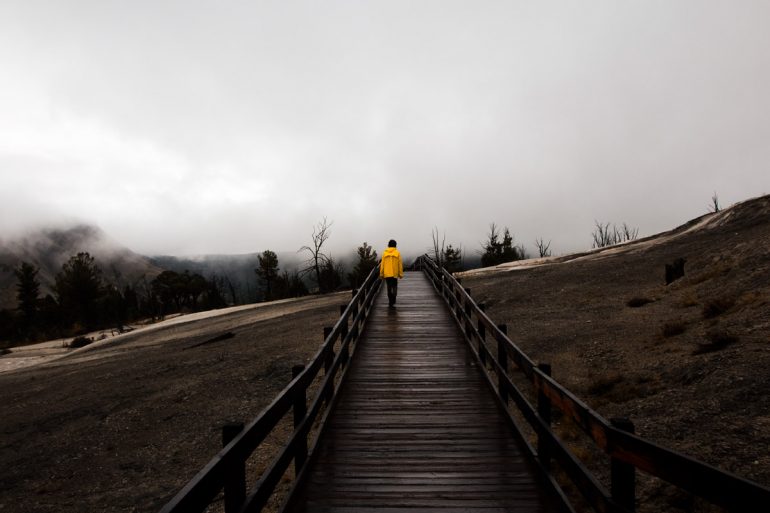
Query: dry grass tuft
x=636 y=302
x=79 y=342
x=721 y=268
x=688 y=300
x=602 y=385
x=614 y=387
x=717 y=307
x=674 y=328
x=717 y=340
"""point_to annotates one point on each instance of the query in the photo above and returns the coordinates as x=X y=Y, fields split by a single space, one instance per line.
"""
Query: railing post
x=544 y=412
x=468 y=321
x=458 y=303
x=344 y=333
x=300 y=411
x=353 y=321
x=482 y=337
x=502 y=359
x=328 y=362
x=623 y=475
x=235 y=475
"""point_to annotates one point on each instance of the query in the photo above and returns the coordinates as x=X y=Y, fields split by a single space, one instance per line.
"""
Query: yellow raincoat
x=391 y=265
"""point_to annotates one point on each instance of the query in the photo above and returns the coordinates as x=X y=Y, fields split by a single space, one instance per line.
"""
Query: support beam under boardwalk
x=416 y=427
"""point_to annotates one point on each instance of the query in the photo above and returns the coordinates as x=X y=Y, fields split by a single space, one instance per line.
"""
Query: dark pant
x=392 y=284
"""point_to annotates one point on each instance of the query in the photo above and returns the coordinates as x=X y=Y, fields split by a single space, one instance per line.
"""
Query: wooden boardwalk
x=416 y=427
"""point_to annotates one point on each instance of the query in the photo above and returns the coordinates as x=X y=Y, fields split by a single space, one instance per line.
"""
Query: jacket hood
x=390 y=252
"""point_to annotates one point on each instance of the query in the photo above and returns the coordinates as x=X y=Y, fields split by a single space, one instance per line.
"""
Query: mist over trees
x=78 y=289
x=83 y=302
x=83 y=299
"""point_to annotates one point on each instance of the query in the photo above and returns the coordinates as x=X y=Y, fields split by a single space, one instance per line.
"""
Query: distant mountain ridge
x=49 y=249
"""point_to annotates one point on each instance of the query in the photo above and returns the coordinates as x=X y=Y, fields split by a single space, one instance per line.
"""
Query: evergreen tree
x=367 y=260
x=493 y=248
x=268 y=271
x=452 y=259
x=297 y=287
x=167 y=291
x=27 y=294
x=498 y=252
x=78 y=288
x=331 y=275
x=195 y=286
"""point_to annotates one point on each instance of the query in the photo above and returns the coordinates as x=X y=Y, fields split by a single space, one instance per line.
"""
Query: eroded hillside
x=688 y=362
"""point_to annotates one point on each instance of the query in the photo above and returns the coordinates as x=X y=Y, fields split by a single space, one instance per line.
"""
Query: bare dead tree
x=714 y=206
x=317 y=258
x=605 y=236
x=627 y=233
x=602 y=236
x=438 y=247
x=543 y=248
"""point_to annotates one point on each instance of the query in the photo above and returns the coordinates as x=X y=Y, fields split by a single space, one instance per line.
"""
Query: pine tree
x=498 y=252
x=367 y=260
x=452 y=259
x=78 y=289
x=27 y=294
x=268 y=271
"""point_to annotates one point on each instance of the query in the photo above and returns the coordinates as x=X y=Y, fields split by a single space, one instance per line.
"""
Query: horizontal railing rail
x=226 y=471
x=627 y=452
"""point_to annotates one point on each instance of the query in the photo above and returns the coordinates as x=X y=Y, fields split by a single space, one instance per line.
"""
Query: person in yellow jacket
x=391 y=269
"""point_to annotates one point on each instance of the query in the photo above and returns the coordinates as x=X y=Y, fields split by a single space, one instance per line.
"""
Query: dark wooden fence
x=227 y=470
x=626 y=451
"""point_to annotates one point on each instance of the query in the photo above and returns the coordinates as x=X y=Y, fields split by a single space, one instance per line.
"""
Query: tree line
x=499 y=246
x=320 y=269
x=81 y=301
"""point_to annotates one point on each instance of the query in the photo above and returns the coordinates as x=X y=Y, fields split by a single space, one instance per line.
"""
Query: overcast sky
x=224 y=127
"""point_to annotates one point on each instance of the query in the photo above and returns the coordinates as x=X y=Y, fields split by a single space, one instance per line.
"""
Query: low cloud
x=187 y=129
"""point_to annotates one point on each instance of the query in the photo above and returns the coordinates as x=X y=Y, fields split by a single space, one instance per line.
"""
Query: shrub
x=80 y=342
x=636 y=302
x=674 y=328
x=688 y=299
x=603 y=384
x=717 y=340
x=717 y=307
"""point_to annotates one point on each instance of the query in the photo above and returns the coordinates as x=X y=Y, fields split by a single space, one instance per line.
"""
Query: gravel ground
x=124 y=424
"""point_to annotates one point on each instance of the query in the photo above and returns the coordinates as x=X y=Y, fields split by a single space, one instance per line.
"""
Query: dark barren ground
x=691 y=367
x=122 y=427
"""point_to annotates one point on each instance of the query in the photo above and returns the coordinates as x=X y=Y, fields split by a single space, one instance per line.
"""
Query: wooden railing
x=227 y=470
x=626 y=451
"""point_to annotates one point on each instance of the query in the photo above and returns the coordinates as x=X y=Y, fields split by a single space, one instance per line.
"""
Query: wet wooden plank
x=416 y=428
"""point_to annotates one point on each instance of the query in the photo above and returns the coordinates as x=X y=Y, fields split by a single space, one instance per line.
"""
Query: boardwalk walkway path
x=416 y=427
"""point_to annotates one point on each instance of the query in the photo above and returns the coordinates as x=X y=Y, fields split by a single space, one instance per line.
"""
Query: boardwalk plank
x=416 y=428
